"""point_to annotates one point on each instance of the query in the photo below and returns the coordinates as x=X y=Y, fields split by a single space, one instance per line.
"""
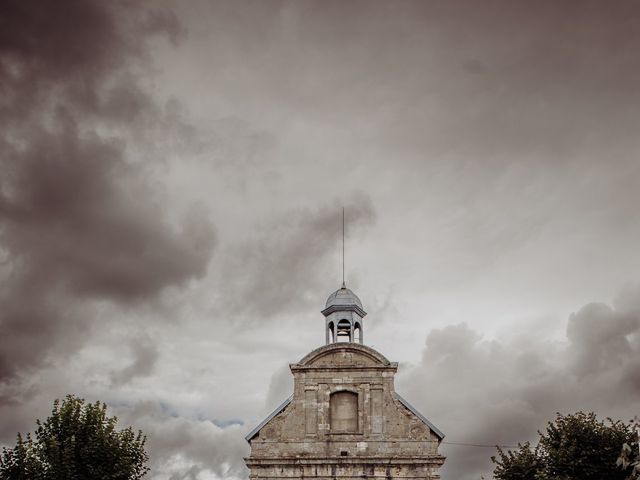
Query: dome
x=343 y=297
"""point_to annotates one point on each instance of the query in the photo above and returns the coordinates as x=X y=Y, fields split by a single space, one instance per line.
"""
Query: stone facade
x=345 y=421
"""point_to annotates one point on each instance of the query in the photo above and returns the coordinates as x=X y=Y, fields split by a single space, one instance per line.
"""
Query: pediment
x=344 y=354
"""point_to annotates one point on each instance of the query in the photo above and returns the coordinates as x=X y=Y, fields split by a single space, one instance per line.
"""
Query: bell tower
x=343 y=317
x=344 y=419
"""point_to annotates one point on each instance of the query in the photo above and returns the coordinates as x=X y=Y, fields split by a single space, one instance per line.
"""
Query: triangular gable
x=413 y=410
x=280 y=408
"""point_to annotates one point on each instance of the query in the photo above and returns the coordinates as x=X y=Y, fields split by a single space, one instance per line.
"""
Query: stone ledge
x=296 y=367
x=377 y=460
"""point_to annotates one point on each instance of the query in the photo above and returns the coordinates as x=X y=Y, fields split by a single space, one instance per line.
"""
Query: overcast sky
x=171 y=182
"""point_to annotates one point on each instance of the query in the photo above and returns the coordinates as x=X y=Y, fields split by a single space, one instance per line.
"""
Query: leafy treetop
x=574 y=447
x=77 y=442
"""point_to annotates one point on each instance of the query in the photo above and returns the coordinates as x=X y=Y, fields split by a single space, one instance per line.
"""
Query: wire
x=479 y=445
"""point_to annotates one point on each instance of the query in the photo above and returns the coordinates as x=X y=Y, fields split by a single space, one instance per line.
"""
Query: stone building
x=344 y=419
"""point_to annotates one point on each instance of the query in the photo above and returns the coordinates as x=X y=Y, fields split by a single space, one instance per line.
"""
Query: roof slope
x=278 y=409
x=424 y=419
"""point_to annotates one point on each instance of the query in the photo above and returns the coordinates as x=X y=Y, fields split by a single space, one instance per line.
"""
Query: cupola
x=343 y=317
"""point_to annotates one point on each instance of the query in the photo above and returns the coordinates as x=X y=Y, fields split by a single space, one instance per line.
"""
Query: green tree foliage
x=77 y=442
x=630 y=457
x=523 y=464
x=574 y=447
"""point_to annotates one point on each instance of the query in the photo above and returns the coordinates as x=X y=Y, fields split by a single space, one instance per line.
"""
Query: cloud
x=145 y=356
x=183 y=448
x=481 y=163
x=288 y=253
x=280 y=388
x=598 y=335
x=503 y=391
x=80 y=218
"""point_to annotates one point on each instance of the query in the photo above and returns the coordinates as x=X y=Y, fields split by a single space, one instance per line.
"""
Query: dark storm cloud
x=501 y=392
x=79 y=220
x=598 y=335
x=498 y=83
x=545 y=79
x=286 y=259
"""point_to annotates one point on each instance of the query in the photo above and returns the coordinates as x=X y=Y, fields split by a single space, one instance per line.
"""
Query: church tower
x=344 y=419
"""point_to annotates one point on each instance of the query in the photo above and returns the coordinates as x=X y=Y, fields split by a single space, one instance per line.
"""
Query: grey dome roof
x=343 y=297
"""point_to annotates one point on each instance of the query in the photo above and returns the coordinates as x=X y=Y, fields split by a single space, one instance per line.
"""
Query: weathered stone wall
x=385 y=439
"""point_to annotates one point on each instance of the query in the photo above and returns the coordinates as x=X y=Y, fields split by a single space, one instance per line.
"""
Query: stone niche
x=345 y=420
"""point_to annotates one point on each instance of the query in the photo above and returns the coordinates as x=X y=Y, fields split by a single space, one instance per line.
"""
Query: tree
x=574 y=447
x=628 y=457
x=523 y=464
x=78 y=441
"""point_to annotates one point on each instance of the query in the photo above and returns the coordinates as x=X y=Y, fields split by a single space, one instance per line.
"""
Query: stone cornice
x=296 y=367
x=353 y=460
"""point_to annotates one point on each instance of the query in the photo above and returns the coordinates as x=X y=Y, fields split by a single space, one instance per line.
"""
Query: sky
x=172 y=176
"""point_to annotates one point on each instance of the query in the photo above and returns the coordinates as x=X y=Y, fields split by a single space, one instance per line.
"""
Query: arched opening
x=343 y=331
x=331 y=333
x=357 y=333
x=344 y=412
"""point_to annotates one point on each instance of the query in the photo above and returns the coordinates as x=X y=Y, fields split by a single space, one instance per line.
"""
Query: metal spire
x=343 y=284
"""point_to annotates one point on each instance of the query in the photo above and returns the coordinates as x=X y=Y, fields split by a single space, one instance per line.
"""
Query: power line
x=480 y=445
